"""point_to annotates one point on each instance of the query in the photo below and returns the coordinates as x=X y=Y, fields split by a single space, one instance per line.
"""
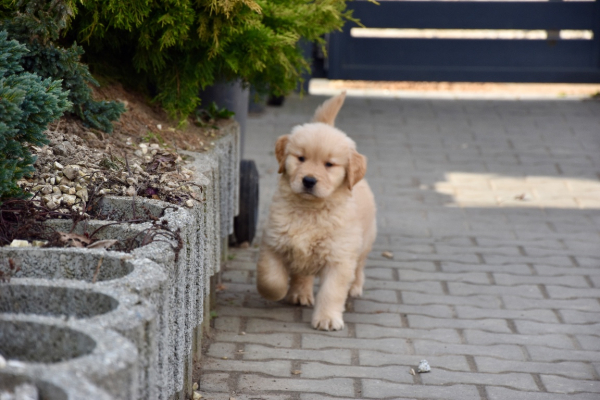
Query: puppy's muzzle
x=309 y=182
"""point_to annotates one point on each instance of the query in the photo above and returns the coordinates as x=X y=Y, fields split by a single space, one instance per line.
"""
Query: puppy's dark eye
x=328 y=164
x=301 y=159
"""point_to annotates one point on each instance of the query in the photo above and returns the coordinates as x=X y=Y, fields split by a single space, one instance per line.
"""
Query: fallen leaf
x=221 y=287
x=412 y=372
x=296 y=372
x=73 y=240
x=102 y=244
x=388 y=254
x=523 y=197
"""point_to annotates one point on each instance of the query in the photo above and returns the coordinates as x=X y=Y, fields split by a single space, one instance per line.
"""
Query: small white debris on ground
x=423 y=367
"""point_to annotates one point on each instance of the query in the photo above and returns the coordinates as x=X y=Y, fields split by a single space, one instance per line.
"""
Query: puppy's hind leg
x=356 y=289
x=271 y=275
x=301 y=290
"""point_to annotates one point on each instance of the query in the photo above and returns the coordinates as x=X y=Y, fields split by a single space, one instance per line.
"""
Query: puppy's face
x=318 y=159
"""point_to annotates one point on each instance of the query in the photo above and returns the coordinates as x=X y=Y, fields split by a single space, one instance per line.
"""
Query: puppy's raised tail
x=327 y=111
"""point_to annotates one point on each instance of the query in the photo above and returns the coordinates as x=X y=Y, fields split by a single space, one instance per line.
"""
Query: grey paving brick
x=403 y=265
x=491 y=325
x=509 y=352
x=236 y=276
x=558 y=384
x=272 y=339
x=374 y=331
x=230 y=324
x=378 y=358
x=400 y=257
x=519 y=269
x=379 y=389
x=542 y=243
x=573 y=281
x=335 y=387
x=274 y=368
x=498 y=250
x=515 y=380
x=424 y=287
x=588 y=262
x=589 y=342
x=532 y=327
x=582 y=246
x=214 y=382
x=481 y=313
x=559 y=261
x=383 y=296
x=542 y=353
x=580 y=317
x=228 y=396
x=466 y=289
x=379 y=273
x=280 y=314
x=323 y=342
x=550 y=340
x=469 y=277
x=500 y=393
x=517 y=303
x=575 y=370
x=480 y=300
x=399 y=374
x=364 y=306
x=550 y=270
x=258 y=352
x=220 y=350
x=560 y=292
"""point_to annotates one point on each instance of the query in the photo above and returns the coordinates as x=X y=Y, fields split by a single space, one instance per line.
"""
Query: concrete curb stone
x=160 y=295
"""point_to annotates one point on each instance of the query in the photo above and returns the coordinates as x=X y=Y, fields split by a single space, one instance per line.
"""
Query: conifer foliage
x=180 y=46
x=38 y=24
x=27 y=104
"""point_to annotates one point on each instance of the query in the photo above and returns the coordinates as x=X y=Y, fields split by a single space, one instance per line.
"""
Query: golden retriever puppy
x=321 y=221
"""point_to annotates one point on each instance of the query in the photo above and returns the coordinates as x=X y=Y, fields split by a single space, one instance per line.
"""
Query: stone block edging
x=150 y=302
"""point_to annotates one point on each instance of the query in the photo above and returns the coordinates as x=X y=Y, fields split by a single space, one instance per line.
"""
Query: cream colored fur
x=324 y=231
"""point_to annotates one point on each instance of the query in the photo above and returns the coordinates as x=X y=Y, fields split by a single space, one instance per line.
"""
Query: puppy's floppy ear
x=357 y=168
x=280 y=146
x=327 y=111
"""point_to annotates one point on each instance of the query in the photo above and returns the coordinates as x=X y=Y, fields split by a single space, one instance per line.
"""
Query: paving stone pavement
x=492 y=212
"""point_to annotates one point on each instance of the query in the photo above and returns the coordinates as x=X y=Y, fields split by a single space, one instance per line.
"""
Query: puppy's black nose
x=309 y=182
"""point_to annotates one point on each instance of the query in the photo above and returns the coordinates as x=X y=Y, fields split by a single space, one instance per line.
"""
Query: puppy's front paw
x=304 y=298
x=355 y=291
x=332 y=322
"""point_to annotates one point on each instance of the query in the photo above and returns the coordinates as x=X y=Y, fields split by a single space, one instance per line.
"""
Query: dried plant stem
x=97 y=269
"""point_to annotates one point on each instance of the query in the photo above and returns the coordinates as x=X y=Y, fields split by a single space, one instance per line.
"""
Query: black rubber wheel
x=244 y=224
x=276 y=101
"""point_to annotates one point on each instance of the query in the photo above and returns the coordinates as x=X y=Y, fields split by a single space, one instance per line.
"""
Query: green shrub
x=27 y=104
x=38 y=24
x=180 y=46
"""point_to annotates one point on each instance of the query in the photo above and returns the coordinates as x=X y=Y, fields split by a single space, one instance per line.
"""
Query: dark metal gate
x=470 y=60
